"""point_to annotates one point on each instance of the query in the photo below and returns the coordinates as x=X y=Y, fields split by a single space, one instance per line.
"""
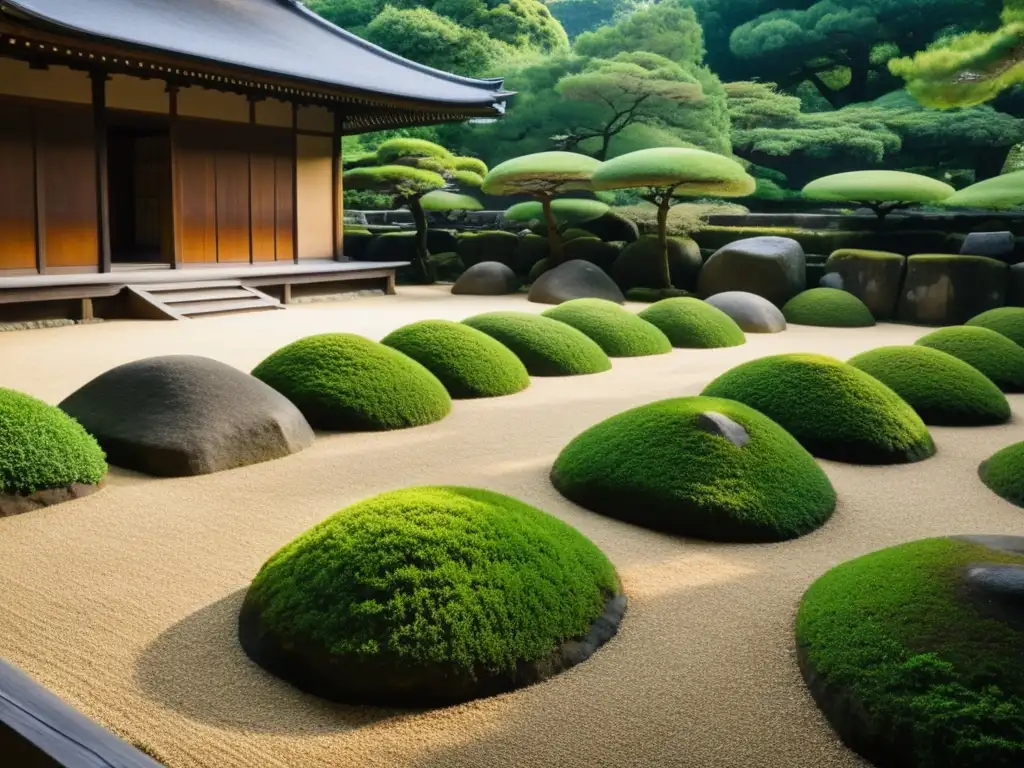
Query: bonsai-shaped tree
x=442 y=201
x=663 y=174
x=543 y=175
x=568 y=211
x=997 y=193
x=881 y=191
x=409 y=170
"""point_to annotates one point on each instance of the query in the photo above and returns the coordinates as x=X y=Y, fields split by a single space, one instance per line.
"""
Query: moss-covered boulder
x=355 y=241
x=835 y=410
x=546 y=347
x=468 y=362
x=691 y=323
x=772 y=267
x=1003 y=473
x=943 y=390
x=430 y=596
x=944 y=289
x=46 y=457
x=640 y=265
x=486 y=245
x=341 y=381
x=593 y=250
x=697 y=466
x=874 y=277
x=827 y=307
x=1009 y=321
x=617 y=331
x=990 y=352
x=913 y=652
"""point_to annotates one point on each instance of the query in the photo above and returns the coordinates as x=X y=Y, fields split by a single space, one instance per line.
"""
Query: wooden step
x=192 y=286
x=210 y=307
x=209 y=294
x=183 y=301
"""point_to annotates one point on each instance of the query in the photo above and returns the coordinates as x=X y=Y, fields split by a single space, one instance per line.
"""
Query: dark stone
x=814 y=274
x=641 y=264
x=719 y=424
x=997 y=591
x=611 y=227
x=874 y=277
x=950 y=290
x=574 y=280
x=17 y=504
x=1015 y=290
x=187 y=415
x=752 y=313
x=477 y=247
x=593 y=250
x=772 y=267
x=831 y=280
x=355 y=243
x=531 y=250
x=488 y=278
x=995 y=245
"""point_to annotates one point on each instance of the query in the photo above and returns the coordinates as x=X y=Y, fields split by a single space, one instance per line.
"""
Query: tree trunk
x=555 y=250
x=666 y=268
x=426 y=269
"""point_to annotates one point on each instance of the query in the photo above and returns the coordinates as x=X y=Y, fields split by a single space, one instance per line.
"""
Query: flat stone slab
x=752 y=313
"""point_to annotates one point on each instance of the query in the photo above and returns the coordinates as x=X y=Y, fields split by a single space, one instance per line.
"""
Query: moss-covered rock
x=700 y=467
x=532 y=249
x=546 y=347
x=341 y=381
x=640 y=265
x=945 y=289
x=913 y=652
x=468 y=362
x=593 y=250
x=537 y=270
x=355 y=242
x=475 y=247
x=430 y=596
x=611 y=227
x=651 y=295
x=827 y=307
x=694 y=324
x=874 y=277
x=1003 y=472
x=996 y=356
x=1009 y=321
x=617 y=331
x=943 y=390
x=574 y=233
x=835 y=410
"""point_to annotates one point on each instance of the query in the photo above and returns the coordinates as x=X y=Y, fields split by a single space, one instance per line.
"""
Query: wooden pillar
x=172 y=138
x=295 y=182
x=40 y=198
x=337 y=199
x=99 y=111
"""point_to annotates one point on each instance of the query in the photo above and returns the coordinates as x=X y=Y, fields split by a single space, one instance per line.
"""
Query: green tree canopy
x=578 y=16
x=882 y=191
x=669 y=29
x=1001 y=192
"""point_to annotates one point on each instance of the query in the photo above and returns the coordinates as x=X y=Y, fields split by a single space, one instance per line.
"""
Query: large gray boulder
x=574 y=279
x=488 y=278
x=187 y=415
x=995 y=245
x=947 y=289
x=752 y=313
x=772 y=267
x=874 y=277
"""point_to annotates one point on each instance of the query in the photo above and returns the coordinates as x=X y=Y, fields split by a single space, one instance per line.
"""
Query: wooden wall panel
x=261 y=164
x=285 y=214
x=17 y=189
x=197 y=200
x=233 y=200
x=315 y=197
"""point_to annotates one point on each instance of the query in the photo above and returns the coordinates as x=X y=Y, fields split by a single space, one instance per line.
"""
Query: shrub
x=341 y=381
x=1003 y=472
x=545 y=346
x=700 y=467
x=429 y=596
x=827 y=307
x=617 y=331
x=640 y=265
x=996 y=356
x=1008 y=321
x=693 y=324
x=475 y=247
x=469 y=363
x=943 y=390
x=835 y=410
x=651 y=295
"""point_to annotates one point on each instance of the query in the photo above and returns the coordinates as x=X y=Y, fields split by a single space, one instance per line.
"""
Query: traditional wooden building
x=143 y=140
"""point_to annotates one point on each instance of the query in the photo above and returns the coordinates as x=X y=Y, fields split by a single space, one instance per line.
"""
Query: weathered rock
x=574 y=280
x=641 y=265
x=995 y=245
x=488 y=278
x=772 y=267
x=719 y=424
x=874 y=277
x=752 y=313
x=947 y=289
x=187 y=415
x=831 y=280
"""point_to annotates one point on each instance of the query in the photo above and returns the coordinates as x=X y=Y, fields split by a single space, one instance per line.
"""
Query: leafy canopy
x=1006 y=191
x=689 y=172
x=878 y=187
x=542 y=173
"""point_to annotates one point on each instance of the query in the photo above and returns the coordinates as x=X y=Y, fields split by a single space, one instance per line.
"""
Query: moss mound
x=693 y=324
x=990 y=352
x=651 y=295
x=914 y=659
x=546 y=347
x=828 y=307
x=43 y=449
x=1003 y=472
x=341 y=381
x=430 y=596
x=617 y=331
x=1008 y=321
x=943 y=390
x=835 y=410
x=469 y=363
x=697 y=466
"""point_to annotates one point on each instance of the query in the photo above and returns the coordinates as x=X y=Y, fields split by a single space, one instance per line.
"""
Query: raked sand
x=124 y=602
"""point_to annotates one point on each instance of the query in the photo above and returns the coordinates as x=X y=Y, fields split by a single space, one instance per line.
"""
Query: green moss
x=835 y=410
x=1003 y=472
x=1008 y=321
x=435 y=576
x=861 y=254
x=651 y=295
x=469 y=363
x=943 y=390
x=693 y=324
x=341 y=381
x=41 y=447
x=537 y=270
x=567 y=211
x=827 y=307
x=959 y=258
x=545 y=346
x=996 y=356
x=660 y=466
x=617 y=331
x=920 y=678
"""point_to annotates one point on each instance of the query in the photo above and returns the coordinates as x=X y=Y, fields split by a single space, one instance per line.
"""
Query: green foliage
x=617 y=331
x=578 y=16
x=1008 y=321
x=435 y=576
x=471 y=164
x=992 y=353
x=693 y=324
x=341 y=381
x=1003 y=472
x=469 y=363
x=402 y=148
x=943 y=390
x=663 y=466
x=668 y=29
x=43 y=447
x=440 y=200
x=827 y=307
x=1005 y=191
x=679 y=172
x=545 y=346
x=836 y=411
x=399 y=180
x=542 y=173
x=878 y=187
x=568 y=211
x=935 y=681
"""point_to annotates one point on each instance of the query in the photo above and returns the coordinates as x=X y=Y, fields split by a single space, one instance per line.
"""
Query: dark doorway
x=139 y=178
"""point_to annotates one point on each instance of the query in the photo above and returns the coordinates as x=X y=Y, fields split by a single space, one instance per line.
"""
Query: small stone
x=995 y=245
x=719 y=424
x=488 y=278
x=832 y=280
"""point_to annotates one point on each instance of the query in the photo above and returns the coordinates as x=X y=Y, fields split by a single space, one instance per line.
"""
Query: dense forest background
x=794 y=88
